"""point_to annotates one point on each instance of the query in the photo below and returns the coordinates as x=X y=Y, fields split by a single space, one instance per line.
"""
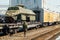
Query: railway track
x=36 y=30
x=31 y=33
x=48 y=35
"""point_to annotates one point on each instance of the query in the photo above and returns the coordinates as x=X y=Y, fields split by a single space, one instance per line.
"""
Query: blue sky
x=53 y=5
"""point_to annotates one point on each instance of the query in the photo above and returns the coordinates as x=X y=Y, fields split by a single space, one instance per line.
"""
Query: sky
x=4 y=2
x=53 y=5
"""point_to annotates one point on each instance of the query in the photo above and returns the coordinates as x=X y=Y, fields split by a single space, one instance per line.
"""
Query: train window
x=13 y=8
x=28 y=19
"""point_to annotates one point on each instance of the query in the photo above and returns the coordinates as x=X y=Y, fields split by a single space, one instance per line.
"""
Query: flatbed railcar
x=15 y=16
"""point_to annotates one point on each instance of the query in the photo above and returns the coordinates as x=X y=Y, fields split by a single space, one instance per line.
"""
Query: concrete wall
x=13 y=2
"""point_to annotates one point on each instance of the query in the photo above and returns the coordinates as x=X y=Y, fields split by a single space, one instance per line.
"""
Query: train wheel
x=4 y=32
x=16 y=30
x=36 y=27
x=45 y=24
x=11 y=32
x=56 y=23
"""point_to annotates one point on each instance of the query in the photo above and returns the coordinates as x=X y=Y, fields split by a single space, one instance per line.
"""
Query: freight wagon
x=57 y=18
x=46 y=17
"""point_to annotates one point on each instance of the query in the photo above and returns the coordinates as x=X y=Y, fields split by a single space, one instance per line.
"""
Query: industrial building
x=27 y=3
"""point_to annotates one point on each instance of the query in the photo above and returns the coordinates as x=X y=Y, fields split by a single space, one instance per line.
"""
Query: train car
x=55 y=18
x=20 y=14
x=50 y=18
x=58 y=18
x=46 y=17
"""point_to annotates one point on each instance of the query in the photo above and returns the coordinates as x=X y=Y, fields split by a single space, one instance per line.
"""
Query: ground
x=33 y=34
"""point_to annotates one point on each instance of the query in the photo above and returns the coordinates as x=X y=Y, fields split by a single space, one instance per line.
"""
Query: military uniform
x=25 y=28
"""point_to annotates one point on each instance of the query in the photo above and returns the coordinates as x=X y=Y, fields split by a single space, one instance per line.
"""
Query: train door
x=27 y=18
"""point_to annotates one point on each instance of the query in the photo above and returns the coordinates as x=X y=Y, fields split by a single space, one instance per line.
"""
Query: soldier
x=25 y=28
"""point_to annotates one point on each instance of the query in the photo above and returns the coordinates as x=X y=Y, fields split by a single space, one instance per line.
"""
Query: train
x=15 y=16
x=46 y=17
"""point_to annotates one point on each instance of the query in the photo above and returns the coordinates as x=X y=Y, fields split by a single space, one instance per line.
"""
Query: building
x=28 y=3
